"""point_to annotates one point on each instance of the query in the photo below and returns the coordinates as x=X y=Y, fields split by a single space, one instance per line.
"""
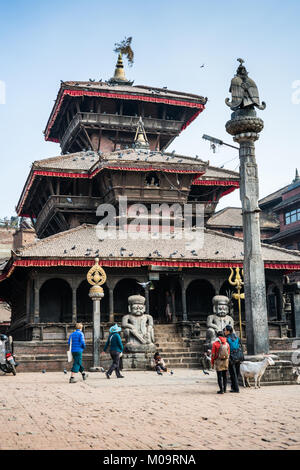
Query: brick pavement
x=144 y=411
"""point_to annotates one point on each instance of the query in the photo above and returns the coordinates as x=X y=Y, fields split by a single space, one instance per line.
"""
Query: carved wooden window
x=152 y=179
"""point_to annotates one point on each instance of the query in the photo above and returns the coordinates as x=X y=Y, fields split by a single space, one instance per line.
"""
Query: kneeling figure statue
x=138 y=326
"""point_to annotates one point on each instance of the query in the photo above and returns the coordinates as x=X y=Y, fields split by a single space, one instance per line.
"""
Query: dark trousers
x=234 y=370
x=115 y=355
x=77 y=362
x=159 y=367
x=222 y=379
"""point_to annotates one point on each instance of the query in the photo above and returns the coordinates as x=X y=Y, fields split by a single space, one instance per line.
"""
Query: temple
x=114 y=138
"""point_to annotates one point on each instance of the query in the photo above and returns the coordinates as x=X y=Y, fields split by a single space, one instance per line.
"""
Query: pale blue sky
x=42 y=42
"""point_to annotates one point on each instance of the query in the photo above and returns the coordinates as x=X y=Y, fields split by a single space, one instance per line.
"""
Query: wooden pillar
x=74 y=305
x=111 y=305
x=183 y=299
x=36 y=311
x=147 y=299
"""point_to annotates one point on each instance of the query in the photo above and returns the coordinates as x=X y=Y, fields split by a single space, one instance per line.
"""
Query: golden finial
x=96 y=275
x=140 y=139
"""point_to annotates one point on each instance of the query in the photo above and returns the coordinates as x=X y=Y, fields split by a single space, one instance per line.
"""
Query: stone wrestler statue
x=219 y=319
x=138 y=326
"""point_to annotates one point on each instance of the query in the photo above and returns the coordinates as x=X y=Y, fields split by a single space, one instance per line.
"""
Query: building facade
x=114 y=137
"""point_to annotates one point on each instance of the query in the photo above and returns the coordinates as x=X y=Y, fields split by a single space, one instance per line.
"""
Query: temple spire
x=140 y=139
x=297 y=177
x=119 y=77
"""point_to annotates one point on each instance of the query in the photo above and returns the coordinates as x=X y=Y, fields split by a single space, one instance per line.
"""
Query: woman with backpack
x=114 y=343
x=220 y=360
x=235 y=358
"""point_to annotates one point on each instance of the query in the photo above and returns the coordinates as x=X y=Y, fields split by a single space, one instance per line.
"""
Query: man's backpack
x=223 y=351
x=236 y=351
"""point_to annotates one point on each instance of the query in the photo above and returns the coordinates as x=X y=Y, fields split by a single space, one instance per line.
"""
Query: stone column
x=96 y=294
x=245 y=127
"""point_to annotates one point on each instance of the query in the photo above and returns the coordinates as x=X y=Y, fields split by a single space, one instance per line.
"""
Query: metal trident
x=238 y=284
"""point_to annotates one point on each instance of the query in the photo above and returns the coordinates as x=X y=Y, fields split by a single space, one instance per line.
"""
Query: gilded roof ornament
x=96 y=276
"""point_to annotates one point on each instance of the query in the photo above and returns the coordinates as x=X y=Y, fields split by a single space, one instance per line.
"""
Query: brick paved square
x=144 y=411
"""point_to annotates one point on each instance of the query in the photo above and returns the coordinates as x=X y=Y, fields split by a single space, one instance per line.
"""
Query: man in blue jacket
x=115 y=345
x=77 y=347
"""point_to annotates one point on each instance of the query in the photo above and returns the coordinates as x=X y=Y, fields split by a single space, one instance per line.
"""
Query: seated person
x=159 y=363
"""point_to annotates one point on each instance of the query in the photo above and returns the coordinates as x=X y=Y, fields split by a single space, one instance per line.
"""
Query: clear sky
x=43 y=42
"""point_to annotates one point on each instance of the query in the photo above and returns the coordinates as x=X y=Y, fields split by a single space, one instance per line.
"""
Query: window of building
x=292 y=216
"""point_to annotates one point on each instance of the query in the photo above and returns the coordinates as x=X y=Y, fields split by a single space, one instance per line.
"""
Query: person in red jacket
x=220 y=360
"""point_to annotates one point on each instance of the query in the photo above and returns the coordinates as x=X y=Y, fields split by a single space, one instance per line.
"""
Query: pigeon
x=73 y=247
x=201 y=66
x=65 y=371
x=171 y=372
x=130 y=254
x=43 y=371
x=65 y=251
x=144 y=284
x=69 y=199
x=206 y=373
x=216 y=252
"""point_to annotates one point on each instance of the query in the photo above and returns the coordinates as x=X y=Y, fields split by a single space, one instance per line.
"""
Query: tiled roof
x=135 y=89
x=85 y=161
x=232 y=217
x=82 y=242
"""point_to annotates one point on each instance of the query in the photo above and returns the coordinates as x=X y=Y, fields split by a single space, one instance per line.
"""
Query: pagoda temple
x=114 y=138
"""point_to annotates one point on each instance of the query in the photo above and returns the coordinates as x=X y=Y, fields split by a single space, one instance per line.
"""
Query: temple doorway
x=85 y=304
x=199 y=294
x=56 y=301
x=122 y=291
x=273 y=301
x=165 y=304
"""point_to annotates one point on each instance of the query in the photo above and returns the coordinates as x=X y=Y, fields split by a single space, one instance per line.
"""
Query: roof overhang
x=64 y=92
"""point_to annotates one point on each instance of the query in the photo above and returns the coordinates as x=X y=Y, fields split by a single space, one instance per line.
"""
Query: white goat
x=255 y=370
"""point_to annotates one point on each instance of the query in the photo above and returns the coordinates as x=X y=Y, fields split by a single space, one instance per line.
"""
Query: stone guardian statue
x=219 y=319
x=138 y=326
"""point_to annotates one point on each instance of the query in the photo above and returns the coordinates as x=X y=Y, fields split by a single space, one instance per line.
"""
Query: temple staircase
x=176 y=350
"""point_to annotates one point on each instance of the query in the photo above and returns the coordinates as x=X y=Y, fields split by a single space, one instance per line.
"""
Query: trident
x=237 y=283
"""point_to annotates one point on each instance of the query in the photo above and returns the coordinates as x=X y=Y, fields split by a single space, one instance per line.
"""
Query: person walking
x=115 y=345
x=220 y=359
x=235 y=358
x=77 y=347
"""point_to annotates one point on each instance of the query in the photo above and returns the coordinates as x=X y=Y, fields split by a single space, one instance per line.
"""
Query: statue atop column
x=138 y=326
x=243 y=90
x=219 y=319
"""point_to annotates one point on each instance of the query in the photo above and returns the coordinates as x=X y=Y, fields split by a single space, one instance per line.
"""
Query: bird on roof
x=201 y=66
x=73 y=247
x=69 y=199
x=91 y=80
